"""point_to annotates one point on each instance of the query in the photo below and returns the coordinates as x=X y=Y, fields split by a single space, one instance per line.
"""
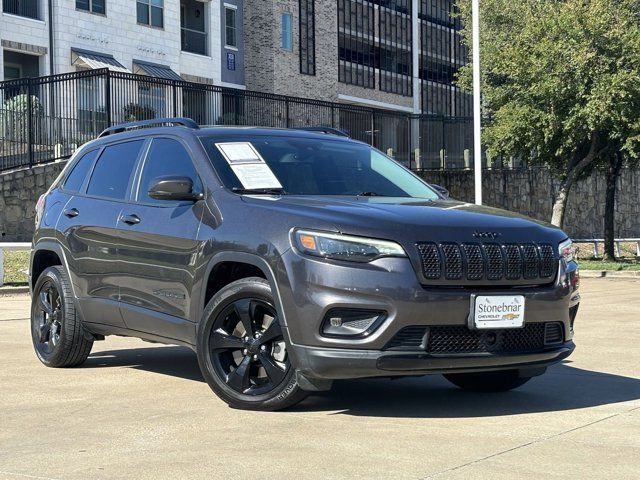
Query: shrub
x=14 y=117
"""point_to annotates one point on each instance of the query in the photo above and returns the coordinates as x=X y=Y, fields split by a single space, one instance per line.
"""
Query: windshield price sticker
x=248 y=165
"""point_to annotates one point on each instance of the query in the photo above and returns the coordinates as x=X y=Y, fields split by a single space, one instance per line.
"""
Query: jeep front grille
x=454 y=339
x=491 y=263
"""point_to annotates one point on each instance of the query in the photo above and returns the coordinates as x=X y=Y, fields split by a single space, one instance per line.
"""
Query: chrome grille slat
x=489 y=262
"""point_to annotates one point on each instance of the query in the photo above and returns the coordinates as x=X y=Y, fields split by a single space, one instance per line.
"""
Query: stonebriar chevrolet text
x=288 y=259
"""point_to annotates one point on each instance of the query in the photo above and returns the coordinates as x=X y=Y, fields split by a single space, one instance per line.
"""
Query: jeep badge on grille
x=492 y=235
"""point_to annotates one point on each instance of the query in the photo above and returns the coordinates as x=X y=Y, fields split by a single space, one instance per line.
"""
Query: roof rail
x=123 y=127
x=327 y=130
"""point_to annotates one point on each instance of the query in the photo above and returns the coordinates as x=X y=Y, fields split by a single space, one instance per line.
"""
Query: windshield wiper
x=259 y=191
x=368 y=194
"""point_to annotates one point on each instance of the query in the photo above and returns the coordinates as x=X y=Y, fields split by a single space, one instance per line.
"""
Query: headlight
x=566 y=250
x=345 y=247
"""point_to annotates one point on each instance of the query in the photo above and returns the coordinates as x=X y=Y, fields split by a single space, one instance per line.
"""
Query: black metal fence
x=46 y=118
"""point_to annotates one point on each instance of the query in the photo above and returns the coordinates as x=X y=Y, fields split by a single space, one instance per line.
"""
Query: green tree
x=561 y=83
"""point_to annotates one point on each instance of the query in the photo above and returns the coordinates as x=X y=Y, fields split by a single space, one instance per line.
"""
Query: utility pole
x=477 y=126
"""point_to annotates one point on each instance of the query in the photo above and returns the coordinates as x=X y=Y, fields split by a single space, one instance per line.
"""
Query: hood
x=410 y=220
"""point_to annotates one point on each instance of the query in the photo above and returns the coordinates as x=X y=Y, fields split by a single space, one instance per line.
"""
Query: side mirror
x=441 y=190
x=174 y=188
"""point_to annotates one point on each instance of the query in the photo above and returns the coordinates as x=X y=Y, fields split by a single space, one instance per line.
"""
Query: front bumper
x=309 y=288
x=335 y=364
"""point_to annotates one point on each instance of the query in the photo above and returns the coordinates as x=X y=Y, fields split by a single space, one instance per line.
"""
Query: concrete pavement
x=137 y=410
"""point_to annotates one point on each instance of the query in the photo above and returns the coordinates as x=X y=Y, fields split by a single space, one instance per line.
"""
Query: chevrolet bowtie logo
x=491 y=235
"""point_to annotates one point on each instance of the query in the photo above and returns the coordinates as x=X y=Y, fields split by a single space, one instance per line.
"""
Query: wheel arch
x=249 y=259
x=43 y=255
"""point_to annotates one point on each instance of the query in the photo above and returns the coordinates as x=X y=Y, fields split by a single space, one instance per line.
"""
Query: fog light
x=351 y=323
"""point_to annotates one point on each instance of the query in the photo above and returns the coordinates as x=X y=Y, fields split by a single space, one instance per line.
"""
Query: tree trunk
x=613 y=172
x=575 y=167
x=560 y=204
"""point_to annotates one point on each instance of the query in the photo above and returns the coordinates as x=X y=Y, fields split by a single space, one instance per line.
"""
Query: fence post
x=107 y=96
x=175 y=98
x=373 y=128
x=286 y=104
x=29 y=122
x=443 y=150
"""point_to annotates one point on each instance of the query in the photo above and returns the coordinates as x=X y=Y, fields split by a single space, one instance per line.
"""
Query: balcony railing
x=23 y=8
x=193 y=41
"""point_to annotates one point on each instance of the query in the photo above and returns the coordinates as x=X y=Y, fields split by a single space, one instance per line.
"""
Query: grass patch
x=621 y=265
x=15 y=266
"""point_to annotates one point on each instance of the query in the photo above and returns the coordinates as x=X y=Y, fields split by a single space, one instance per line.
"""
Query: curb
x=7 y=291
x=608 y=274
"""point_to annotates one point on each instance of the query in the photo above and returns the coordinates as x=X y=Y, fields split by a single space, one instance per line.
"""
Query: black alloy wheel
x=47 y=318
x=242 y=348
x=247 y=347
x=57 y=332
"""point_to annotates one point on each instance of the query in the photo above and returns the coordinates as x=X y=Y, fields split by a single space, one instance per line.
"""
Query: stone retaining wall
x=20 y=191
x=526 y=191
x=531 y=192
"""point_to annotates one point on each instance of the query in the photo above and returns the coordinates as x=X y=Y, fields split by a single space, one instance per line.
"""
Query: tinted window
x=114 y=168
x=166 y=157
x=74 y=181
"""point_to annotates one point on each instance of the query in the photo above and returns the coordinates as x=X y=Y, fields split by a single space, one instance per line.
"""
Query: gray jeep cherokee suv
x=288 y=259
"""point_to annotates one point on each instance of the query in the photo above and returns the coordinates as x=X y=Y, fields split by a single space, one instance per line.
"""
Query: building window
x=23 y=8
x=287 y=32
x=356 y=43
x=442 y=53
x=93 y=6
x=230 y=27
x=151 y=12
x=307 y=37
x=394 y=51
x=153 y=99
x=92 y=113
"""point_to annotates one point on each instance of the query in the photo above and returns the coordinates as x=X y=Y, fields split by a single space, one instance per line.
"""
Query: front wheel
x=241 y=349
x=500 y=381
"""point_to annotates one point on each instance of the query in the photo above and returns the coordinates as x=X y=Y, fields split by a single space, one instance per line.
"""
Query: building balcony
x=193 y=41
x=22 y=8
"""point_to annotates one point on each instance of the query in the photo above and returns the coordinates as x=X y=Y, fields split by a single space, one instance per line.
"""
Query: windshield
x=306 y=166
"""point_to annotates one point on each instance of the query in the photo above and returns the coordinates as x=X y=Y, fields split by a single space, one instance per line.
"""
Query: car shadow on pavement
x=563 y=387
x=168 y=360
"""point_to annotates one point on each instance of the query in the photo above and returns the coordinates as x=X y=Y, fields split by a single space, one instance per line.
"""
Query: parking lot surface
x=137 y=410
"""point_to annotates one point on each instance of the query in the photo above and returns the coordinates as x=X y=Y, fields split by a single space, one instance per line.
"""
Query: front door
x=159 y=248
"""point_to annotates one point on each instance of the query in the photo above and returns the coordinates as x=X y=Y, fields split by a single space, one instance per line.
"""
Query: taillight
x=40 y=208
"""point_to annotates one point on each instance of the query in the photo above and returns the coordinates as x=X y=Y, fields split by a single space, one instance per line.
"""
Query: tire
x=56 y=330
x=500 y=381
x=241 y=349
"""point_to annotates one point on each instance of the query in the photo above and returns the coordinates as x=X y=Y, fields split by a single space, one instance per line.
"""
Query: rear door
x=88 y=227
x=159 y=247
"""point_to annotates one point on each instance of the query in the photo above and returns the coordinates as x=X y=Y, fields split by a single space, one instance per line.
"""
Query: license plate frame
x=508 y=312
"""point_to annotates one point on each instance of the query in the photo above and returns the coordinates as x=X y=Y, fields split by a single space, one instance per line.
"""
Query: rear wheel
x=56 y=331
x=500 y=381
x=241 y=349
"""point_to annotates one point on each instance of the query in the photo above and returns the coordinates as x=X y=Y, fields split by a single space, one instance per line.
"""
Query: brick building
x=396 y=54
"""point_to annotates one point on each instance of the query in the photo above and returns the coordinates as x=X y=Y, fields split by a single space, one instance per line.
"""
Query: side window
x=166 y=157
x=76 y=178
x=114 y=169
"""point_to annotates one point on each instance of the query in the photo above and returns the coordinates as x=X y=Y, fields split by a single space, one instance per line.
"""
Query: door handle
x=71 y=212
x=130 y=219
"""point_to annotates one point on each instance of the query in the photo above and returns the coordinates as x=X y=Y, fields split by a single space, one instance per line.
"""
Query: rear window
x=76 y=178
x=114 y=169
